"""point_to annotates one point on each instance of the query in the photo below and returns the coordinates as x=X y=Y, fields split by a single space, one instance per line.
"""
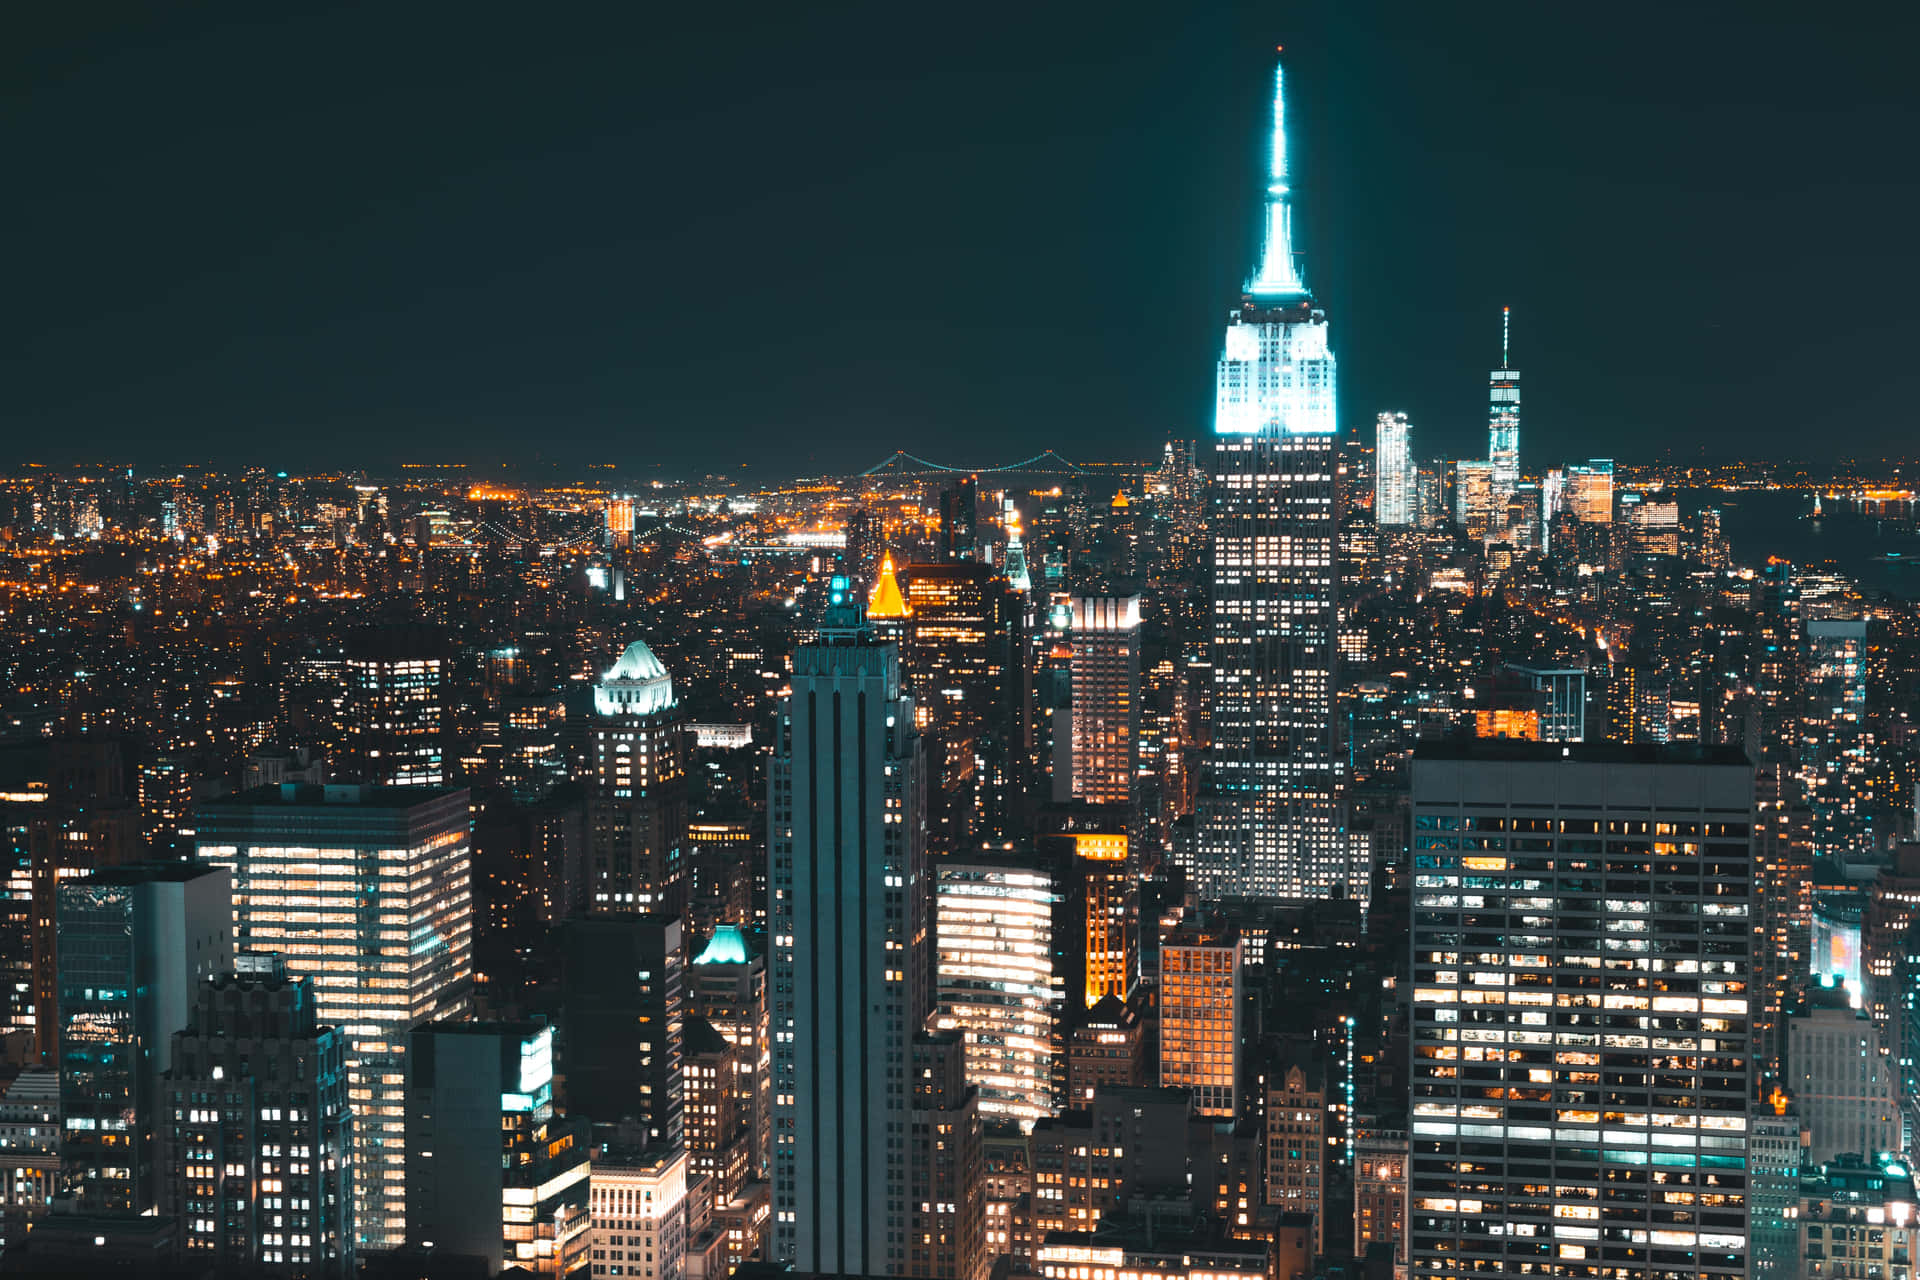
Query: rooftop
x=1519 y=750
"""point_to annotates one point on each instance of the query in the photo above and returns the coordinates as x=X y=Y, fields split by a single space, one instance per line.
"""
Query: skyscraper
x=1106 y=699
x=395 y=707
x=623 y=1015
x=366 y=892
x=1395 y=477
x=1589 y=491
x=493 y=1172
x=135 y=943
x=1200 y=1017
x=1503 y=418
x=995 y=980
x=1272 y=822
x=1581 y=954
x=255 y=1134
x=637 y=810
x=849 y=925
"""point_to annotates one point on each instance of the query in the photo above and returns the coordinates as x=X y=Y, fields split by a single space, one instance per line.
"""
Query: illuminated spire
x=885 y=601
x=1506 y=324
x=1278 y=275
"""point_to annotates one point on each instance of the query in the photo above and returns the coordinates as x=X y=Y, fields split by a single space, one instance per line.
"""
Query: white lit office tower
x=1271 y=820
x=365 y=891
x=849 y=921
x=1503 y=418
x=1395 y=477
x=994 y=978
x=1581 y=957
x=1478 y=508
x=394 y=707
x=1106 y=699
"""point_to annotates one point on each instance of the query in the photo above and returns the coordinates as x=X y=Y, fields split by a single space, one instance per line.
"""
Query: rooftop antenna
x=1506 y=323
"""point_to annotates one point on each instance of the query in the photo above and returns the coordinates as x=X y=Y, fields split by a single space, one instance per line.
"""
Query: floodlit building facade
x=1271 y=820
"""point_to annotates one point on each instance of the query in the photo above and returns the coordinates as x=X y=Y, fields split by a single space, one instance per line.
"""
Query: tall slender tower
x=1503 y=419
x=849 y=920
x=1395 y=477
x=1271 y=823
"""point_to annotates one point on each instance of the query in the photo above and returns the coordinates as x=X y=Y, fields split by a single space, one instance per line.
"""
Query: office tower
x=1773 y=1190
x=947 y=1229
x=637 y=800
x=394 y=707
x=726 y=875
x=1379 y=1185
x=1886 y=933
x=622 y=1017
x=1430 y=496
x=1503 y=417
x=849 y=924
x=1099 y=935
x=727 y=986
x=255 y=1132
x=135 y=941
x=1526 y=526
x=1019 y=577
x=1296 y=1138
x=1478 y=506
x=82 y=821
x=887 y=610
x=493 y=1172
x=995 y=982
x=638 y=1202
x=959 y=518
x=1589 y=491
x=1106 y=700
x=961 y=661
x=1563 y=698
x=1653 y=528
x=1581 y=958
x=1395 y=478
x=1200 y=1017
x=166 y=801
x=1843 y=1081
x=1272 y=822
x=365 y=890
x=620 y=522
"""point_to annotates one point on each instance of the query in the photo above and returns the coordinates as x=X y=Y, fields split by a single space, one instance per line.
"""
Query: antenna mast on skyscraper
x=1506 y=322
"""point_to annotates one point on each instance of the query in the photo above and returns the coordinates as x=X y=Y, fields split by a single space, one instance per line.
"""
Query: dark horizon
x=351 y=237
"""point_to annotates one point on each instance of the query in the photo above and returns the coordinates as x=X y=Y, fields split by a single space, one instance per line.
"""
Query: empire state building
x=1272 y=817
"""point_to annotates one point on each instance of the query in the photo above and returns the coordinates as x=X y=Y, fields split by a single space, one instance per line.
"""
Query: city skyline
x=1320 y=846
x=385 y=284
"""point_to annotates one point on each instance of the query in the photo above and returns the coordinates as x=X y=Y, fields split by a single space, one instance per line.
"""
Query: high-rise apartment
x=255 y=1134
x=637 y=801
x=947 y=1231
x=727 y=986
x=1395 y=477
x=1271 y=821
x=366 y=892
x=1581 y=968
x=849 y=920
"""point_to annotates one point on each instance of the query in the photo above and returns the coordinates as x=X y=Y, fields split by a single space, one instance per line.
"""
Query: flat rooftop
x=1520 y=750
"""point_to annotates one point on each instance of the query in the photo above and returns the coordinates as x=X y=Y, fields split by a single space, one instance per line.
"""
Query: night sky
x=801 y=236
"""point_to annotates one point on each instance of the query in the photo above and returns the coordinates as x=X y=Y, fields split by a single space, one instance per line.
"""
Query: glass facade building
x=365 y=891
x=1395 y=478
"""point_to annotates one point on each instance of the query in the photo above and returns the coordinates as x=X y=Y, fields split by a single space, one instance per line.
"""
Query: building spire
x=1506 y=324
x=1278 y=276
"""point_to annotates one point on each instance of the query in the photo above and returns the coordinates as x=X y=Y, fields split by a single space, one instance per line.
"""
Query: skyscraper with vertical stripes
x=1271 y=823
x=849 y=919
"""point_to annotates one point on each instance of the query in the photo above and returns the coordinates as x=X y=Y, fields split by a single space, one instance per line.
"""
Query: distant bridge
x=904 y=464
